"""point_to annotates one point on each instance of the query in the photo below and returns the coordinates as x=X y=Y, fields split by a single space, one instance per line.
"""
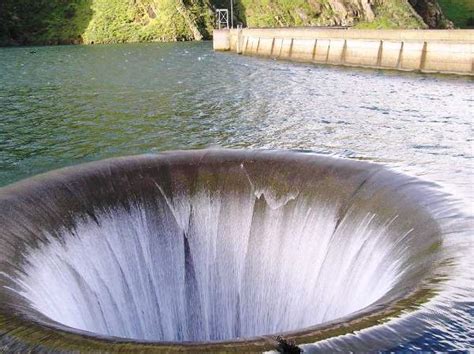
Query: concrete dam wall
x=434 y=51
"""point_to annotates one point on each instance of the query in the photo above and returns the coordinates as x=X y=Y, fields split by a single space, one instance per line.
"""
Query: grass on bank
x=101 y=21
x=43 y=21
x=394 y=14
x=286 y=13
x=461 y=12
x=117 y=21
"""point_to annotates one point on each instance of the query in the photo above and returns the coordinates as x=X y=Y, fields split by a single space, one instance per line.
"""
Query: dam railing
x=432 y=51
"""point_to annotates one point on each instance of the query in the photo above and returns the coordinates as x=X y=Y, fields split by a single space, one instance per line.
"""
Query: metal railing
x=222 y=18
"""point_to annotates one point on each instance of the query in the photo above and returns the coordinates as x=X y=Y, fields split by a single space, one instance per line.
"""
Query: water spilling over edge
x=213 y=246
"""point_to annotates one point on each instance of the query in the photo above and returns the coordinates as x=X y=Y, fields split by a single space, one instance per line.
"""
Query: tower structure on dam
x=434 y=51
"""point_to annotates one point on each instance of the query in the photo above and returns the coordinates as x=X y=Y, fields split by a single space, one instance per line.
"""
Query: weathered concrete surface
x=221 y=39
x=441 y=51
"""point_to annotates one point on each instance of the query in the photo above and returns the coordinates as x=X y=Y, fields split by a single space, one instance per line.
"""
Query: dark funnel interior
x=210 y=245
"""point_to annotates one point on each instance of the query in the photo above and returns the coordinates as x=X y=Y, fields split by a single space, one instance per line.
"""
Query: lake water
x=70 y=104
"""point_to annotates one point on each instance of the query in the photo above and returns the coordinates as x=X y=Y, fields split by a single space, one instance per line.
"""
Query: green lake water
x=65 y=105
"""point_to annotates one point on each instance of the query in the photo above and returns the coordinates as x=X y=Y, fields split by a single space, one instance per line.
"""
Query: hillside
x=103 y=21
x=116 y=21
x=461 y=12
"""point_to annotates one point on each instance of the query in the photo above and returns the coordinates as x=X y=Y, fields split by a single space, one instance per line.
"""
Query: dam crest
x=428 y=51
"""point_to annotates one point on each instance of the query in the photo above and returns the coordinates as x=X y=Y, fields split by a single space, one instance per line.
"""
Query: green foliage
x=461 y=12
x=43 y=21
x=284 y=13
x=112 y=21
x=393 y=14
x=116 y=21
x=101 y=21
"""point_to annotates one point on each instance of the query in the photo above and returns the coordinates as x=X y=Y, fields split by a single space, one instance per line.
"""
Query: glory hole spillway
x=213 y=250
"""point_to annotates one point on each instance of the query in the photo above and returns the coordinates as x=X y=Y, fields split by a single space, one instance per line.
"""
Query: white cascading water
x=212 y=266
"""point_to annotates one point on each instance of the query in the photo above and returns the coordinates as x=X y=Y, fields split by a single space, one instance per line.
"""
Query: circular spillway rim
x=20 y=328
x=60 y=336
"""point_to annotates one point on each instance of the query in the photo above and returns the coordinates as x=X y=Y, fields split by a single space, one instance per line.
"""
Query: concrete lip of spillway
x=250 y=245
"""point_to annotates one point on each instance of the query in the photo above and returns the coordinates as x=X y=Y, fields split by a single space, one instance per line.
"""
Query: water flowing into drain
x=212 y=246
x=217 y=268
